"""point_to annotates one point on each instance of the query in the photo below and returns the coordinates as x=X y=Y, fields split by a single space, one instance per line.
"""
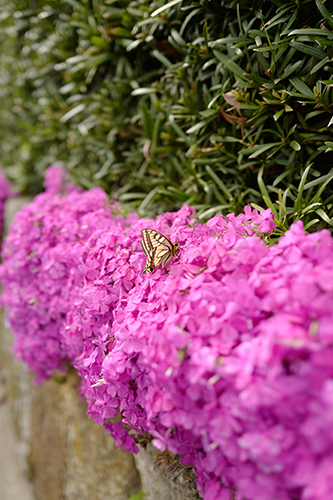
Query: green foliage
x=208 y=103
x=139 y=496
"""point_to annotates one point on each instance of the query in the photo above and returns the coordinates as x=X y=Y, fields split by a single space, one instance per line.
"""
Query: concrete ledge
x=14 y=485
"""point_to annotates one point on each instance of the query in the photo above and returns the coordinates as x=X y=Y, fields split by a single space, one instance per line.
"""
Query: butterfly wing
x=158 y=248
x=150 y=264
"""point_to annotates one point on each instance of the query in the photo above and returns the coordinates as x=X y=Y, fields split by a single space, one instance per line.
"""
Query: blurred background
x=208 y=103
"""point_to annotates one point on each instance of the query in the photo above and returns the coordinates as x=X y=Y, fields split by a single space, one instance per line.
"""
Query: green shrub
x=208 y=103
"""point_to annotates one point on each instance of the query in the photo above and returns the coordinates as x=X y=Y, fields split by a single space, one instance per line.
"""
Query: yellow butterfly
x=158 y=248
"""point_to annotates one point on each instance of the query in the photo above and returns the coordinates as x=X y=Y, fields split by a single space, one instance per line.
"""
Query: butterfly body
x=158 y=248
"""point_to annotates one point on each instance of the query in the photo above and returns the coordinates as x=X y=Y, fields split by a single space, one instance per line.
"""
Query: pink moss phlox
x=41 y=256
x=226 y=358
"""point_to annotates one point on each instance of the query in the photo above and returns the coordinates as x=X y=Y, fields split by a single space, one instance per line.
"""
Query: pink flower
x=224 y=356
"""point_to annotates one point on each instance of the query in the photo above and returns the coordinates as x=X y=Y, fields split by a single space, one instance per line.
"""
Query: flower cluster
x=224 y=357
x=39 y=271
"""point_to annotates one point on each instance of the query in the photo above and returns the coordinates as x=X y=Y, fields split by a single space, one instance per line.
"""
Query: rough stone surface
x=14 y=485
x=13 y=205
x=157 y=482
x=73 y=457
x=17 y=386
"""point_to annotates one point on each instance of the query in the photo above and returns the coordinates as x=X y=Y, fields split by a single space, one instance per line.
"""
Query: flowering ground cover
x=224 y=357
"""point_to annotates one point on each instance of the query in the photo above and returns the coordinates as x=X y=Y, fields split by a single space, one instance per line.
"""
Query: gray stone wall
x=65 y=455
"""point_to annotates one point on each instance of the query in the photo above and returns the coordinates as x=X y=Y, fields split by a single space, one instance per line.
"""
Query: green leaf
x=206 y=34
x=143 y=91
x=121 y=32
x=225 y=138
x=300 y=189
x=177 y=38
x=219 y=182
x=270 y=205
x=73 y=3
x=148 y=199
x=73 y=112
x=309 y=50
x=291 y=68
x=92 y=61
x=173 y=193
x=255 y=151
x=231 y=65
x=295 y=145
x=131 y=196
x=198 y=126
x=264 y=192
x=210 y=212
x=312 y=114
x=319 y=65
x=324 y=216
x=99 y=42
x=257 y=207
x=277 y=115
x=138 y=496
x=179 y=131
x=112 y=12
x=311 y=223
x=161 y=57
x=311 y=32
x=310 y=208
x=280 y=177
x=165 y=7
x=301 y=86
x=319 y=180
x=325 y=12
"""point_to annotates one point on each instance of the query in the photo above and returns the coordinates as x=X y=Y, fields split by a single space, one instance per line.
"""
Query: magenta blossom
x=224 y=356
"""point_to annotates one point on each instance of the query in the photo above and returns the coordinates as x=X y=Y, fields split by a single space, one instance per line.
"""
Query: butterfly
x=158 y=248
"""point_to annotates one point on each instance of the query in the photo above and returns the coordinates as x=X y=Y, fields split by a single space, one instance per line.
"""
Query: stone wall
x=64 y=454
